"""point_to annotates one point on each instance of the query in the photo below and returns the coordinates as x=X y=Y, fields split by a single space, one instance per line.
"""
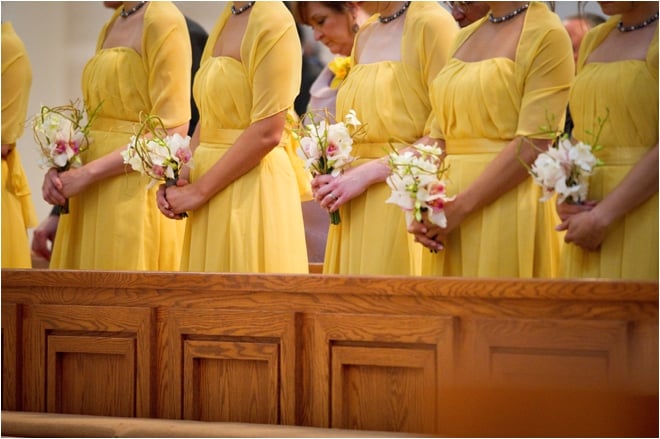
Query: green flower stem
x=334 y=217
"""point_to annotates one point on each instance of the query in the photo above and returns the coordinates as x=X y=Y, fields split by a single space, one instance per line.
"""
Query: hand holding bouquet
x=417 y=183
x=160 y=156
x=326 y=147
x=62 y=134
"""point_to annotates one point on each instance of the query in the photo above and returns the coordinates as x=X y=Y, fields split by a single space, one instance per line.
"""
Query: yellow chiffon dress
x=115 y=224
x=255 y=224
x=628 y=89
x=391 y=98
x=17 y=209
x=479 y=107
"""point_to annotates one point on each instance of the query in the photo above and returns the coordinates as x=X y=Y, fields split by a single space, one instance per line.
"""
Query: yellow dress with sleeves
x=628 y=90
x=479 y=107
x=255 y=223
x=17 y=209
x=115 y=224
x=391 y=99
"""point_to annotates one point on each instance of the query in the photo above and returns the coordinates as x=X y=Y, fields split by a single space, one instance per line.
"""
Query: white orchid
x=62 y=135
x=565 y=169
x=417 y=184
x=160 y=156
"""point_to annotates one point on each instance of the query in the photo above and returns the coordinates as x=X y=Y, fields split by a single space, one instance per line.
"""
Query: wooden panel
x=384 y=373
x=212 y=373
x=80 y=368
x=383 y=389
x=83 y=359
x=10 y=370
x=439 y=356
x=550 y=353
x=229 y=366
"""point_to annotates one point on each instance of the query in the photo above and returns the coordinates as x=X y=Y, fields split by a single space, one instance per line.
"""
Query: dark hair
x=299 y=9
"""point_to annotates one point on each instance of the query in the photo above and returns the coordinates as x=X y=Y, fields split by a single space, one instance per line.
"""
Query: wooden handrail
x=445 y=287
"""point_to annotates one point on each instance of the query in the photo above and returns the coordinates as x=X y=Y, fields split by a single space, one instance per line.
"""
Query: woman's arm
x=504 y=173
x=354 y=181
x=246 y=153
x=588 y=229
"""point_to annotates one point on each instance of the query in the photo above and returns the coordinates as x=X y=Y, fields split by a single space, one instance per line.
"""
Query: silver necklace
x=124 y=13
x=508 y=16
x=641 y=25
x=394 y=16
x=242 y=9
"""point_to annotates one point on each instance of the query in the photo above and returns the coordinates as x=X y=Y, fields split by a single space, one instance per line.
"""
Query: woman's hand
x=51 y=188
x=74 y=181
x=175 y=200
x=564 y=210
x=425 y=235
x=584 y=229
x=332 y=192
x=431 y=235
x=43 y=237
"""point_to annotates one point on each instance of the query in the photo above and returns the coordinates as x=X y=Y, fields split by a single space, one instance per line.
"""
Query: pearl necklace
x=509 y=16
x=124 y=13
x=641 y=25
x=242 y=9
x=394 y=16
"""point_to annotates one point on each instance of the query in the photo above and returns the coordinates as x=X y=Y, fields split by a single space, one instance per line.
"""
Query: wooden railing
x=436 y=356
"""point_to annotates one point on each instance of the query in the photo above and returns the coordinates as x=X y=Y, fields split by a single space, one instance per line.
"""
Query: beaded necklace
x=508 y=16
x=641 y=25
x=242 y=9
x=124 y=13
x=394 y=16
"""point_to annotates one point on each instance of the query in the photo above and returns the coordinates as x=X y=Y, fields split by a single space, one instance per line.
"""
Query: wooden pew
x=433 y=356
x=27 y=424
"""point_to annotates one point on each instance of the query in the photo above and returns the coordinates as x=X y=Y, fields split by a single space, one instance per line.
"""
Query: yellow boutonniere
x=340 y=66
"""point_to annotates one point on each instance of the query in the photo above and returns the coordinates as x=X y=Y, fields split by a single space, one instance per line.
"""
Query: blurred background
x=60 y=36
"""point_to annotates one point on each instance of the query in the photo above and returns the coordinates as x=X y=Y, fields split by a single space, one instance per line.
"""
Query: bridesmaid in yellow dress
x=615 y=236
x=17 y=210
x=509 y=76
x=243 y=199
x=141 y=66
x=397 y=54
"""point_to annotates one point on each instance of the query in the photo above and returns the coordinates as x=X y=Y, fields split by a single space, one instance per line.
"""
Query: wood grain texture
x=253 y=353
x=91 y=375
x=439 y=356
x=27 y=424
x=10 y=359
x=86 y=329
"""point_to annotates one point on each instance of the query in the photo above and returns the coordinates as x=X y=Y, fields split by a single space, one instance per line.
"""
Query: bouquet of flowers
x=565 y=168
x=160 y=156
x=62 y=133
x=417 y=183
x=326 y=147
